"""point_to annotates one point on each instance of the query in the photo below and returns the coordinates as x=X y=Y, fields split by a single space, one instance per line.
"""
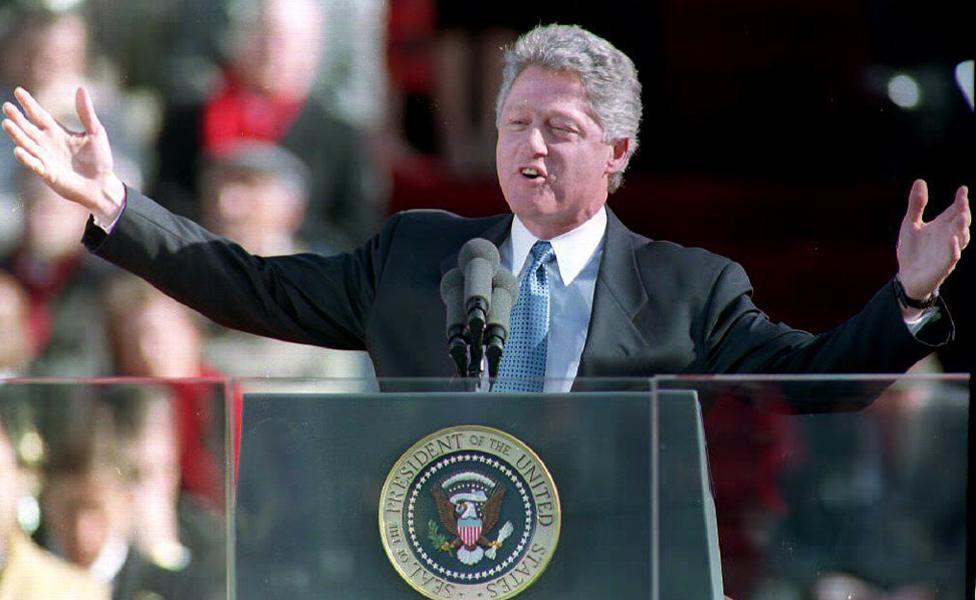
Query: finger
x=30 y=161
x=20 y=137
x=18 y=117
x=34 y=110
x=86 y=111
x=964 y=232
x=962 y=200
x=917 y=200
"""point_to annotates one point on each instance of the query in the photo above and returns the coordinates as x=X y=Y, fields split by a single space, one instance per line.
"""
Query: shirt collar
x=573 y=249
x=110 y=560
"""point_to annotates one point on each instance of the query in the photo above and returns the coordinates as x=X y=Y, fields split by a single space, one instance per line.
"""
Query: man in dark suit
x=619 y=304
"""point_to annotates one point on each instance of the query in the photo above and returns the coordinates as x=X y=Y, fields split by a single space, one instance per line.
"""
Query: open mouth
x=531 y=173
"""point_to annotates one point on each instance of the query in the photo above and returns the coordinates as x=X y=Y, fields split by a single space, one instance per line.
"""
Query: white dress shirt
x=572 y=281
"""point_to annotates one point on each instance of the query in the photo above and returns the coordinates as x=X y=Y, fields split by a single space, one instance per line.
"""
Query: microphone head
x=478 y=248
x=506 y=279
x=503 y=296
x=478 y=260
x=452 y=284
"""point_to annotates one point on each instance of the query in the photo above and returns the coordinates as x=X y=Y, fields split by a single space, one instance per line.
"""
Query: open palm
x=928 y=252
x=76 y=165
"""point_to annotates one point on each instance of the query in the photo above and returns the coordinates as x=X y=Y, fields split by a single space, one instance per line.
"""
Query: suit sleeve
x=739 y=338
x=304 y=298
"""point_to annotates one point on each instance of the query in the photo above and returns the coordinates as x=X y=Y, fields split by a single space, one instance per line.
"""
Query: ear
x=618 y=155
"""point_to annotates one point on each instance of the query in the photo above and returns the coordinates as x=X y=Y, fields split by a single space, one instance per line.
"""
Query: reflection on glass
x=838 y=487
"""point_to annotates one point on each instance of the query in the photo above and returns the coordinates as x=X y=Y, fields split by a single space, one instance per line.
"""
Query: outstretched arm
x=928 y=252
x=76 y=165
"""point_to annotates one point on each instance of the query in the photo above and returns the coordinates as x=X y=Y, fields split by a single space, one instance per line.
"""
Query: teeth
x=530 y=172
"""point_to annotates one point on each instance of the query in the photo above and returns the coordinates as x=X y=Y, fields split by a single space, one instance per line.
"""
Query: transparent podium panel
x=439 y=489
x=811 y=487
x=115 y=486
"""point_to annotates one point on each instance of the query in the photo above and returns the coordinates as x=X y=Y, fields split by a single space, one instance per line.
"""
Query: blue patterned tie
x=524 y=361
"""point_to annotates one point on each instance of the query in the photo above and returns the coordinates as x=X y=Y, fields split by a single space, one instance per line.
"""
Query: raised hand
x=928 y=252
x=76 y=165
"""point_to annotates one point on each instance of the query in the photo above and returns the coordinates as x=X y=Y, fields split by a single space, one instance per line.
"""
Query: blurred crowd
x=95 y=502
x=279 y=123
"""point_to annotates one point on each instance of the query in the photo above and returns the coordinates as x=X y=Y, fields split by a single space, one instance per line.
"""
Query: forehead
x=536 y=88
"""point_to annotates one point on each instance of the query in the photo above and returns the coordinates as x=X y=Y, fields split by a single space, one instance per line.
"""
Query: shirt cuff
x=915 y=325
x=108 y=227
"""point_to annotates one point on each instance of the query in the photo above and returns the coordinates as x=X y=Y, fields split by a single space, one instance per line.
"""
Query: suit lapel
x=614 y=339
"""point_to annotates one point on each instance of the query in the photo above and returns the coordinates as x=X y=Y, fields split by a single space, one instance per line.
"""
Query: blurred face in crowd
x=155 y=454
x=553 y=165
x=48 y=51
x=85 y=511
x=159 y=339
x=277 y=52
x=11 y=487
x=257 y=210
x=53 y=227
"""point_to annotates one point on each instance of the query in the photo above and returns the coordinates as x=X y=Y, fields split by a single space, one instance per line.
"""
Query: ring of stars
x=501 y=467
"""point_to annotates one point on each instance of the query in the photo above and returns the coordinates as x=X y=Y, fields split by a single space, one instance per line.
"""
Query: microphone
x=478 y=261
x=452 y=293
x=503 y=295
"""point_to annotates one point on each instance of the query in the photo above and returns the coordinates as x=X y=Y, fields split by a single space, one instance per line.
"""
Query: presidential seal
x=469 y=512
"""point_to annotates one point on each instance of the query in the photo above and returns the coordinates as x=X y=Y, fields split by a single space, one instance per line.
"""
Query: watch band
x=905 y=300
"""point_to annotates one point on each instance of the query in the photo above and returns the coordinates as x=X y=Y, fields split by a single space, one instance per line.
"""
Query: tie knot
x=542 y=253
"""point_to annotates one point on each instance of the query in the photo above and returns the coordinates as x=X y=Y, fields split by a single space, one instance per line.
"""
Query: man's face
x=85 y=512
x=159 y=339
x=253 y=209
x=551 y=159
x=278 y=54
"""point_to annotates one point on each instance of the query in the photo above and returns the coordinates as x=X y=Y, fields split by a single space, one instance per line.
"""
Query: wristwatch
x=905 y=300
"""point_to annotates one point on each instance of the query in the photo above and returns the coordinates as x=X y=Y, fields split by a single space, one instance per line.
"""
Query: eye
x=563 y=130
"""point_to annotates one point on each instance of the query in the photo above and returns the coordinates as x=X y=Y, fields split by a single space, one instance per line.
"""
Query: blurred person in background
x=88 y=502
x=257 y=194
x=170 y=527
x=61 y=283
x=151 y=335
x=45 y=46
x=28 y=572
x=265 y=93
x=16 y=350
x=875 y=501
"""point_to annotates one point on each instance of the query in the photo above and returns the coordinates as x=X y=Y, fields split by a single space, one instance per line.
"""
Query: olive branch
x=437 y=538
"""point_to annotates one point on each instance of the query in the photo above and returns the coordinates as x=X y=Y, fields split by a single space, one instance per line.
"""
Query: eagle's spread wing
x=445 y=510
x=492 y=509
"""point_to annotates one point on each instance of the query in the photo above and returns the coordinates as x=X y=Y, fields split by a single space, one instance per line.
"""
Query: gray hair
x=607 y=74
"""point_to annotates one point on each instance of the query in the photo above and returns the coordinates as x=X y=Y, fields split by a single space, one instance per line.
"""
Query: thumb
x=86 y=111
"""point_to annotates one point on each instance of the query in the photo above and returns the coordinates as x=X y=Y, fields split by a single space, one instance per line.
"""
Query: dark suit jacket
x=658 y=307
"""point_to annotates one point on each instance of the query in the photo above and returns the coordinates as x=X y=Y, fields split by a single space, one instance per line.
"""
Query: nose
x=537 y=142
